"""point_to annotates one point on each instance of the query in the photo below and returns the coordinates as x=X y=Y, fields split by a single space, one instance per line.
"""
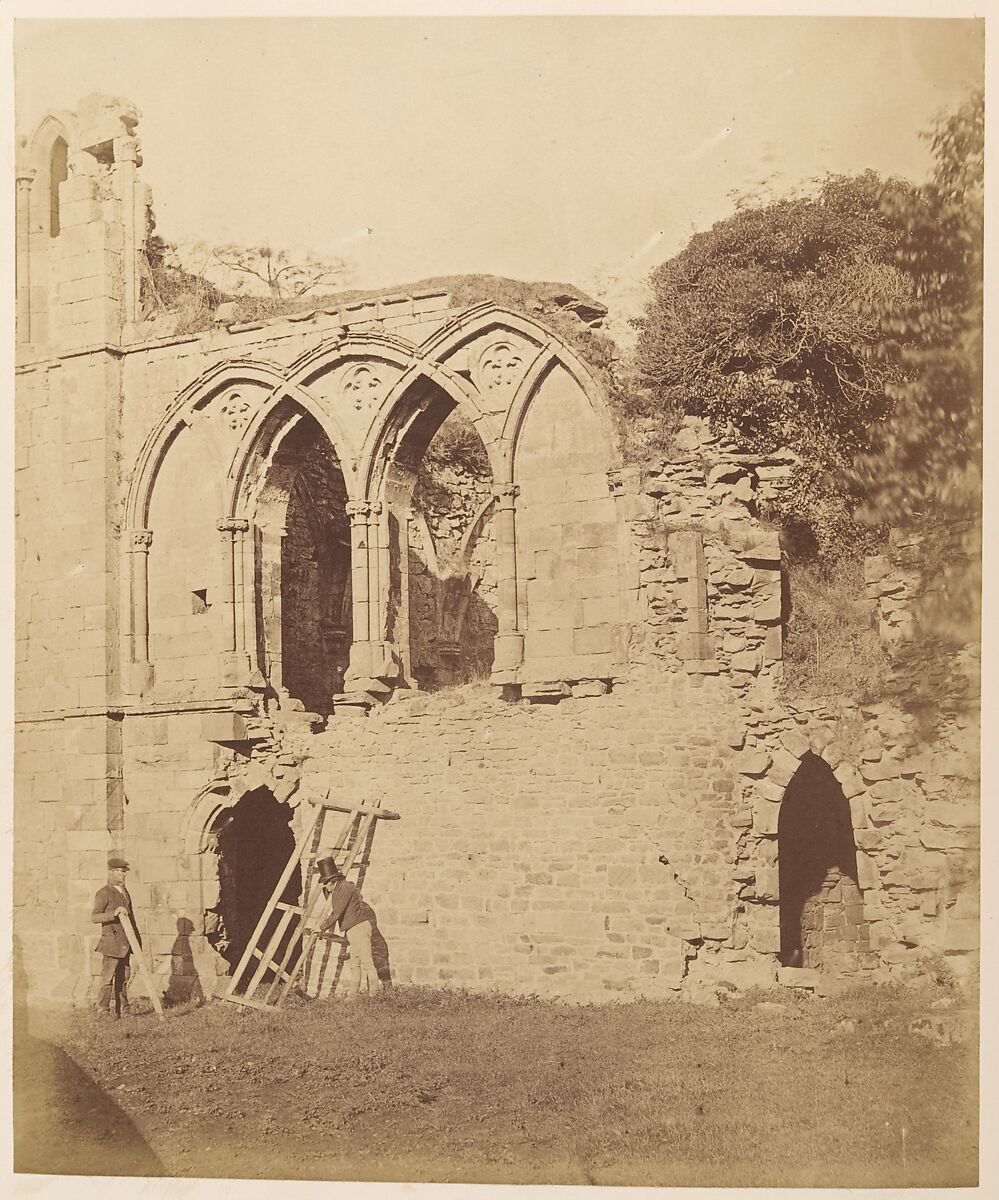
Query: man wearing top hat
x=345 y=907
x=112 y=904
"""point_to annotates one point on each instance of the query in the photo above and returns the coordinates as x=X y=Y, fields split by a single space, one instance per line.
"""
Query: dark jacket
x=114 y=943
x=345 y=907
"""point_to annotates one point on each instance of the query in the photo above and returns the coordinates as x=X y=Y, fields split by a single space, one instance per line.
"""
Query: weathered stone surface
x=849 y=779
x=963 y=934
x=868 y=876
x=875 y=568
x=784 y=767
x=766 y=549
x=753 y=762
x=768 y=611
x=746 y=660
x=798 y=977
x=795 y=742
x=886 y=768
x=858 y=813
x=765 y=815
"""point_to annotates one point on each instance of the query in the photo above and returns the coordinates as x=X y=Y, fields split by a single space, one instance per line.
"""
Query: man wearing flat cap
x=112 y=905
x=345 y=907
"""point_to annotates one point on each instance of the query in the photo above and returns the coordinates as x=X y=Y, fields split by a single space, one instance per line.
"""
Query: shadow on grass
x=64 y=1124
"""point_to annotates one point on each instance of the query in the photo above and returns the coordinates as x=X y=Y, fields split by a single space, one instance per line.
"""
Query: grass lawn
x=448 y=1087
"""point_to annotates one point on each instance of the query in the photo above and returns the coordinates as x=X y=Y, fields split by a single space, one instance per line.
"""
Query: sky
x=575 y=149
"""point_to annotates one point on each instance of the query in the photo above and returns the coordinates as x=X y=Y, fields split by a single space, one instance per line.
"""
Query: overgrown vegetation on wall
x=847 y=326
x=831 y=645
x=770 y=321
x=176 y=284
x=923 y=471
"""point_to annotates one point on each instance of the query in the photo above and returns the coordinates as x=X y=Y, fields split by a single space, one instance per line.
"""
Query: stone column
x=22 y=261
x=272 y=539
x=140 y=667
x=360 y=650
x=234 y=643
x=405 y=650
x=126 y=153
x=246 y=610
x=378 y=558
x=508 y=645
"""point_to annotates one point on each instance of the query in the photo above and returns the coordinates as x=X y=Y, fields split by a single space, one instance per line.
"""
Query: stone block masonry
x=528 y=857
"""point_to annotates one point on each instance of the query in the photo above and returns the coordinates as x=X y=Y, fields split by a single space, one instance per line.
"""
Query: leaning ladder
x=274 y=953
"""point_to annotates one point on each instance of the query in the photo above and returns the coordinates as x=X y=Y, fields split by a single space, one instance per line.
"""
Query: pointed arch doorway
x=822 y=922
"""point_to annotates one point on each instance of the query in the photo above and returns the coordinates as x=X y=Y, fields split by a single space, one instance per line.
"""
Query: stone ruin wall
x=530 y=854
x=612 y=833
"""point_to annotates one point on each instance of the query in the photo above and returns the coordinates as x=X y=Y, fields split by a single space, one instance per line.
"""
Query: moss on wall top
x=566 y=310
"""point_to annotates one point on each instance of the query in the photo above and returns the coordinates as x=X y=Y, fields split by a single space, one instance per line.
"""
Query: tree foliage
x=770 y=321
x=923 y=473
x=925 y=461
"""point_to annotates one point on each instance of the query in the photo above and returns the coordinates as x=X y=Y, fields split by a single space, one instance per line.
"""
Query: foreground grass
x=442 y=1086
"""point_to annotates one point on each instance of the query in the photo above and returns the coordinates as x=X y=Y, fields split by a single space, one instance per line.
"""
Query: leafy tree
x=923 y=471
x=770 y=321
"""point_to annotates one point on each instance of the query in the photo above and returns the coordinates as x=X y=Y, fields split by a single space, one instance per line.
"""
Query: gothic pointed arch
x=261 y=376
x=265 y=424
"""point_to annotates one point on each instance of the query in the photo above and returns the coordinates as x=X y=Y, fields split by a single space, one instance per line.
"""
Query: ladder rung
x=352 y=843
x=248 y=1003
x=272 y=965
x=366 y=810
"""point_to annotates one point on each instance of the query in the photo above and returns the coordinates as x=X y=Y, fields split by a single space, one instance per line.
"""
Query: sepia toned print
x=539 y=721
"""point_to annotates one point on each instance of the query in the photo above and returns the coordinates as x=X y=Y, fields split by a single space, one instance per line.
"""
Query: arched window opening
x=303 y=591
x=58 y=173
x=452 y=560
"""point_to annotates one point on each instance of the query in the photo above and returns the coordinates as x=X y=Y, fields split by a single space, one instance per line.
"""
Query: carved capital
x=376 y=508
x=24 y=178
x=126 y=149
x=233 y=525
x=357 y=510
x=142 y=539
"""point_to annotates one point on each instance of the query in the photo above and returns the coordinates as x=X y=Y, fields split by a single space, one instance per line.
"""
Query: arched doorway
x=254 y=845
x=821 y=907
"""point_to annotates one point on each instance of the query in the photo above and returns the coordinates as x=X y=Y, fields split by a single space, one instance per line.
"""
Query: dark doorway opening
x=254 y=848
x=821 y=906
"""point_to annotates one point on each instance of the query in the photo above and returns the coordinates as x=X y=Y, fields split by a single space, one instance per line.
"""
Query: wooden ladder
x=274 y=953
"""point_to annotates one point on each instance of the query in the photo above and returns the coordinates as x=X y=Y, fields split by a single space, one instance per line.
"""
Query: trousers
x=362 y=964
x=115 y=974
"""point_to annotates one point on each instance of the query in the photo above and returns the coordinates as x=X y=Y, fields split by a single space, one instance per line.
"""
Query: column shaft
x=142 y=539
x=508 y=645
x=22 y=260
x=358 y=512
